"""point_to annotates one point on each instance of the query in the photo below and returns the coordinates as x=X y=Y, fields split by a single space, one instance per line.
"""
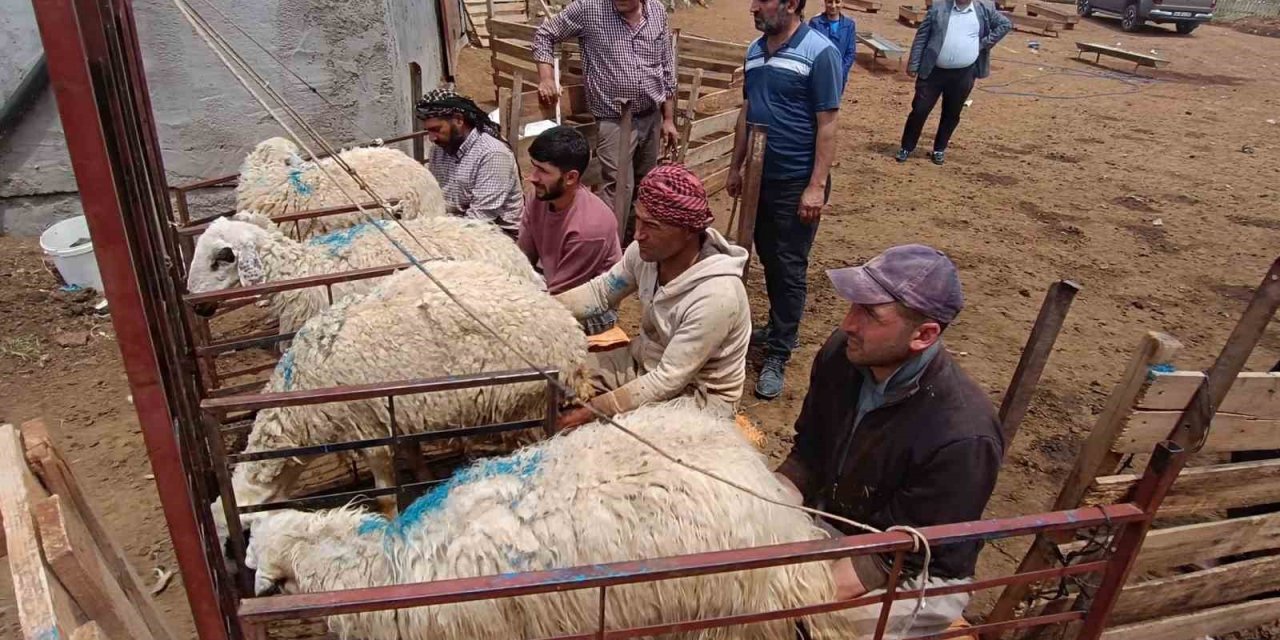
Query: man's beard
x=770 y=28
x=551 y=193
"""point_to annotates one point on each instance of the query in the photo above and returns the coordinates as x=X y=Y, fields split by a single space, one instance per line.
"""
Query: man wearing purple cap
x=893 y=431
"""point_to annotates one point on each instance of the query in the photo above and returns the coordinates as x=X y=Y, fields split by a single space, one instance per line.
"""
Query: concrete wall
x=20 y=44
x=356 y=53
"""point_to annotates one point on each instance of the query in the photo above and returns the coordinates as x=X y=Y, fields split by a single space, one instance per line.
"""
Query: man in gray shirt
x=951 y=48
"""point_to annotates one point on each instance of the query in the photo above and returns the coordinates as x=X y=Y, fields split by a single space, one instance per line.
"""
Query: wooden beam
x=752 y=181
x=1219 y=585
x=44 y=608
x=1201 y=489
x=700 y=47
x=706 y=169
x=1229 y=432
x=718 y=65
x=510 y=29
x=1177 y=546
x=709 y=151
x=75 y=559
x=690 y=113
x=725 y=121
x=1253 y=393
x=49 y=463
x=1210 y=622
x=89 y=631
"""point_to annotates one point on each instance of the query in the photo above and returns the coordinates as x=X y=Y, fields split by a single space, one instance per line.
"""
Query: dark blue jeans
x=783 y=242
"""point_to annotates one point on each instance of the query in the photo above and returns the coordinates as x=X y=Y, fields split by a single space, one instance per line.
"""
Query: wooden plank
x=1229 y=432
x=716 y=182
x=725 y=121
x=1064 y=15
x=910 y=15
x=1201 y=489
x=76 y=561
x=511 y=48
x=49 y=463
x=710 y=64
x=1035 y=25
x=89 y=631
x=510 y=29
x=44 y=608
x=1177 y=546
x=700 y=47
x=573 y=99
x=708 y=169
x=1132 y=56
x=1253 y=394
x=719 y=100
x=1219 y=585
x=709 y=151
x=882 y=46
x=870 y=6
x=1210 y=622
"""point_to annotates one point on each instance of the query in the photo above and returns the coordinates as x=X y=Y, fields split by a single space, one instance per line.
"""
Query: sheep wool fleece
x=591 y=496
x=404 y=329
x=694 y=332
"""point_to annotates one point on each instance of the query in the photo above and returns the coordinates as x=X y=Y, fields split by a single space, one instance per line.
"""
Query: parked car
x=1185 y=15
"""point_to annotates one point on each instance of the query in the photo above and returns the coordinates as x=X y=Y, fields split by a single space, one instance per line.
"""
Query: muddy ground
x=1157 y=194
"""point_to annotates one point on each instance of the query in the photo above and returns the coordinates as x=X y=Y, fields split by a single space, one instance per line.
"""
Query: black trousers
x=953 y=85
x=783 y=242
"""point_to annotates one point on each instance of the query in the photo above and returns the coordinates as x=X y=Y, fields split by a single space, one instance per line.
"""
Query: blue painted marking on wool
x=337 y=241
x=522 y=465
x=1163 y=367
x=295 y=179
x=285 y=369
x=50 y=633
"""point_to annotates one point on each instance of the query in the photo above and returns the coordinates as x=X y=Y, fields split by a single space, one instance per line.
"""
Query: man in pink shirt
x=567 y=231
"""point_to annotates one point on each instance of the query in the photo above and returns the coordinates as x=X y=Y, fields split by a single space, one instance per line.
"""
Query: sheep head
x=226 y=255
x=272 y=152
x=295 y=551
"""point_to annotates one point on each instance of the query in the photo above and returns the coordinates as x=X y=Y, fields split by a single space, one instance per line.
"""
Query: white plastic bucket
x=71 y=248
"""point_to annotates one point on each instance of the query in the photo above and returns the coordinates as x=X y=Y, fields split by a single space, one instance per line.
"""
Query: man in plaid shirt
x=475 y=169
x=626 y=55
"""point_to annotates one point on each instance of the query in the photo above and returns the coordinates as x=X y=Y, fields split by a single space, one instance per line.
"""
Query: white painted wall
x=356 y=53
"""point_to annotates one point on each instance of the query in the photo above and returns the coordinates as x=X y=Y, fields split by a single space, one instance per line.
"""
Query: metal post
x=97 y=76
x=1044 y=333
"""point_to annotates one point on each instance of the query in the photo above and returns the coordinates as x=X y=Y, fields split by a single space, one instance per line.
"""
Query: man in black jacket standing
x=893 y=431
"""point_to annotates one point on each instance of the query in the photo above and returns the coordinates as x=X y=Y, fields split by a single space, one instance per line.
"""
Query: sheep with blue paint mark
x=247 y=249
x=407 y=328
x=591 y=496
x=275 y=179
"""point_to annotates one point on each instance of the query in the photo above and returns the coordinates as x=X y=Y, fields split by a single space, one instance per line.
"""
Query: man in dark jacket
x=951 y=49
x=893 y=431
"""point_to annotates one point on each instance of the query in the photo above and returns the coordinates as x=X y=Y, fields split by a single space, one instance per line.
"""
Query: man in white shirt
x=951 y=49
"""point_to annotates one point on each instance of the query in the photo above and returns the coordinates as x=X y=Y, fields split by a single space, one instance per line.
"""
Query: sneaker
x=769 y=384
x=902 y=156
x=936 y=157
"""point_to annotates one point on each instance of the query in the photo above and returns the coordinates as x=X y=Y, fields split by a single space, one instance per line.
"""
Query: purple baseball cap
x=919 y=276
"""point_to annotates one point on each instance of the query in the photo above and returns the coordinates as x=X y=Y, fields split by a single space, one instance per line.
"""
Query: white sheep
x=274 y=179
x=407 y=328
x=247 y=250
x=592 y=496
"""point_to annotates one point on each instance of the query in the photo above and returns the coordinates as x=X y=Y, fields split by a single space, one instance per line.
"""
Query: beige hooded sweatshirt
x=694 y=332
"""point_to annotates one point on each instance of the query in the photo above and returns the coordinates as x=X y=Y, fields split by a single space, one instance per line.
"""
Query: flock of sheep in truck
x=594 y=495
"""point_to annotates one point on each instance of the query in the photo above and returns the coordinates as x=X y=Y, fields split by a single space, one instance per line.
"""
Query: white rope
x=210 y=35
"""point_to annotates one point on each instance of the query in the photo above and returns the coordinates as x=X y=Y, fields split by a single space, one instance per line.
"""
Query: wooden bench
x=1004 y=5
x=881 y=47
x=1041 y=26
x=1066 y=16
x=870 y=6
x=1138 y=59
x=911 y=16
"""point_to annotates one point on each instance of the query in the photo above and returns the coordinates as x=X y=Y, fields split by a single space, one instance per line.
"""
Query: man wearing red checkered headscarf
x=695 y=323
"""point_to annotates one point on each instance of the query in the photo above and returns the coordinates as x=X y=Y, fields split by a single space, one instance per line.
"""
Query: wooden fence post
x=753 y=177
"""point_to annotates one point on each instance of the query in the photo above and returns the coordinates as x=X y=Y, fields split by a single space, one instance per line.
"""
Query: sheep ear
x=249 y=266
x=264 y=586
x=254 y=218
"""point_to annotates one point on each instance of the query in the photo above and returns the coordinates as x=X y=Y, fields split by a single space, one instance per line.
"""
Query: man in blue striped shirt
x=793 y=80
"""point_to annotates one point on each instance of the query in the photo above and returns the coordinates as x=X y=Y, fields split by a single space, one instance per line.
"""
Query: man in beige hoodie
x=695 y=322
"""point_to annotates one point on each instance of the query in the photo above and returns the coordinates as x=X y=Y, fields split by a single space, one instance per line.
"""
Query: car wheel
x=1131 y=22
x=1084 y=8
x=1183 y=27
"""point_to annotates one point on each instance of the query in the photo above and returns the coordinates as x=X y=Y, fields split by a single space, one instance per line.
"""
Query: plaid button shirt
x=619 y=62
x=480 y=181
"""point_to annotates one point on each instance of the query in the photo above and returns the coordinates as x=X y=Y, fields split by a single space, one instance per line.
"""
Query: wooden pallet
x=1067 y=17
x=70 y=579
x=480 y=12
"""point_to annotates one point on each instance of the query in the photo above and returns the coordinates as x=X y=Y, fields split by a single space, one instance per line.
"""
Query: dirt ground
x=1157 y=194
